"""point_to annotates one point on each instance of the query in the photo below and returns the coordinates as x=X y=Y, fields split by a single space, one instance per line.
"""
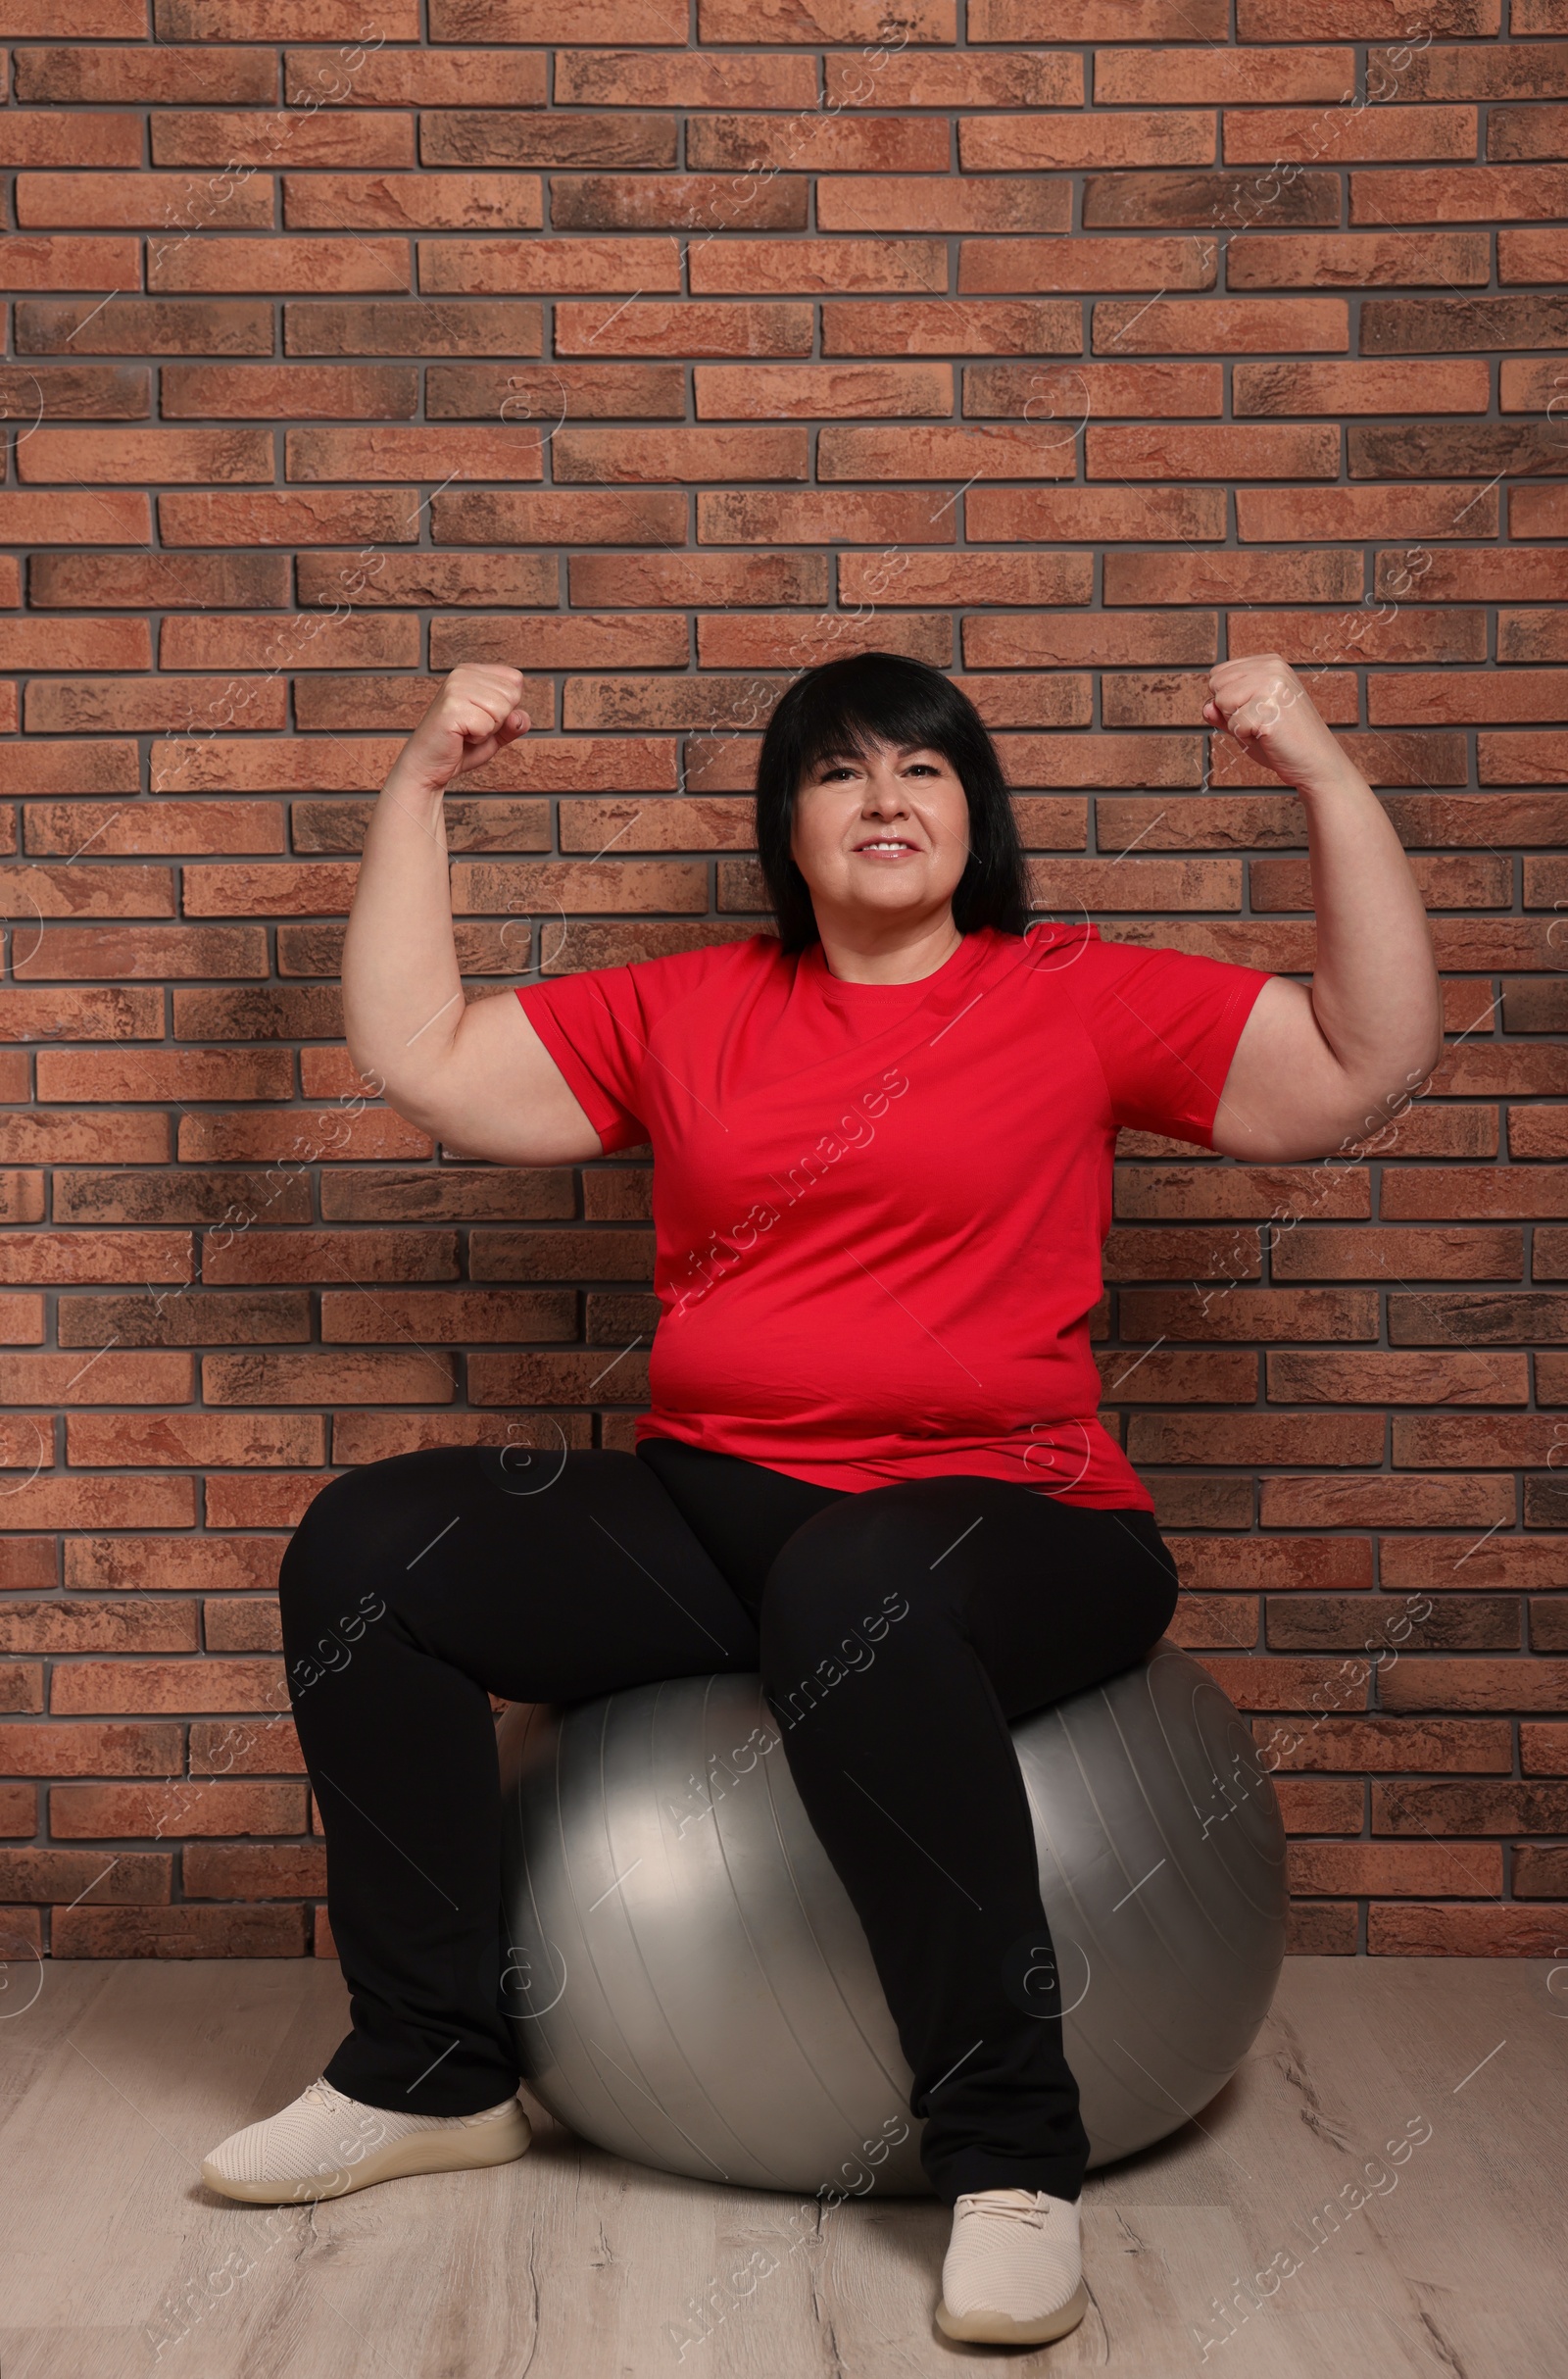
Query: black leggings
x=417 y=1587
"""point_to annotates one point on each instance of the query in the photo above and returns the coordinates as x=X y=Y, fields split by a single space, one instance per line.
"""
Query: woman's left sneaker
x=1014 y=2270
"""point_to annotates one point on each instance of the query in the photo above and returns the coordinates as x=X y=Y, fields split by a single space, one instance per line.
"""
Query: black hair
x=843 y=707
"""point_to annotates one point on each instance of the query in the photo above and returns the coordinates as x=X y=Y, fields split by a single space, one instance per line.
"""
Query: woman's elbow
x=1375 y=1105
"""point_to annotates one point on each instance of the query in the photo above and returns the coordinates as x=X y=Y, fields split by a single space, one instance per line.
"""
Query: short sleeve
x=597 y=1025
x=590 y=1024
x=1165 y=1024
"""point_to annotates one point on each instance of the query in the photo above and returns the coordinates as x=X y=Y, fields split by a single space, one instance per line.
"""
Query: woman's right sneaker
x=326 y=2144
x=1014 y=2271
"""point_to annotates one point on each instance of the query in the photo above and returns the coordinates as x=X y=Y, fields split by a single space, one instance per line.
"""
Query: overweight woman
x=882 y=1163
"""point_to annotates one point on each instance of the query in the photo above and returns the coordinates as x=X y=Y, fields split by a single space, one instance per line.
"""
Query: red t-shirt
x=879 y=1208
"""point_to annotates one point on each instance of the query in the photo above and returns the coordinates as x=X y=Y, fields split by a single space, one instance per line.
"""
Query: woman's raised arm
x=476 y=1076
x=1317 y=1066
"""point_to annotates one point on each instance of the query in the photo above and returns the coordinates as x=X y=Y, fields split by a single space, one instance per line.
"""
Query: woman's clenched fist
x=1265 y=707
x=477 y=713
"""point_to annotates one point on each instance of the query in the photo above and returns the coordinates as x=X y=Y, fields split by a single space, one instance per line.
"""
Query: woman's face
x=883 y=833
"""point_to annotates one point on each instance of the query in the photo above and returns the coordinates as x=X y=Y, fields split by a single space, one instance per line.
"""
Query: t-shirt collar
x=955 y=968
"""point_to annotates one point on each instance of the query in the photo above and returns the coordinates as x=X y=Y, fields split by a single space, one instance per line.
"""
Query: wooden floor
x=114 y=2080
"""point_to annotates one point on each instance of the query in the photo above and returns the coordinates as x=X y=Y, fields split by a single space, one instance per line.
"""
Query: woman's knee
x=333 y=1547
x=1151 y=1588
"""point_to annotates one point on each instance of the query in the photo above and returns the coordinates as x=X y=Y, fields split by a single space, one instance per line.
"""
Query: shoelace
x=1030 y=2211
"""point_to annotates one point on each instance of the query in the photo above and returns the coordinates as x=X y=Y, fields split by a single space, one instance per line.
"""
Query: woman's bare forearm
x=1375 y=1006
x=1374 y=991
x=1318 y=1066
x=403 y=998
x=402 y=991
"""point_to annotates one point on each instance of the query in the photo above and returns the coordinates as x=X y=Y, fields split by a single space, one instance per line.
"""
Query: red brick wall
x=1069 y=344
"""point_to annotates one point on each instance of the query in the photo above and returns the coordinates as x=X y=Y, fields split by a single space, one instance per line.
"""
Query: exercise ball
x=691 y=1988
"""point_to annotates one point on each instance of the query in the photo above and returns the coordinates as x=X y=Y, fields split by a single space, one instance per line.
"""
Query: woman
x=883 y=1147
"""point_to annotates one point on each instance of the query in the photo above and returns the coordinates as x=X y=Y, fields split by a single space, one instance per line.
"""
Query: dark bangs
x=845 y=708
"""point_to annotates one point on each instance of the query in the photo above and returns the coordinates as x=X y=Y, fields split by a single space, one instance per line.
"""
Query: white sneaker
x=326 y=2144
x=1014 y=2270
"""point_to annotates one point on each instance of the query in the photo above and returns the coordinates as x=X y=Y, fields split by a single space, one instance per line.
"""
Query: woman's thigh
x=550 y=1580
x=1050 y=1596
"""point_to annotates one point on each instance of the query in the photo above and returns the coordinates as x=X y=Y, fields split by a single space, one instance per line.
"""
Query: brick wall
x=1067 y=345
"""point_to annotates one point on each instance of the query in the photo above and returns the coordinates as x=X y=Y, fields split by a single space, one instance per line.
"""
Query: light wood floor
x=114 y=2080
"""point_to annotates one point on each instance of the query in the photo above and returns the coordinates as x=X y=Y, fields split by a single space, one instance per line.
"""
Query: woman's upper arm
x=501 y=1094
x=1286 y=1096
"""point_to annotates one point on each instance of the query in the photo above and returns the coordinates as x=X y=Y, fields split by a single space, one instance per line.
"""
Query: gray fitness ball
x=691 y=1986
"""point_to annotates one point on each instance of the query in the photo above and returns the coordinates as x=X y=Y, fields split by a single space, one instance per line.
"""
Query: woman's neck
x=868 y=956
